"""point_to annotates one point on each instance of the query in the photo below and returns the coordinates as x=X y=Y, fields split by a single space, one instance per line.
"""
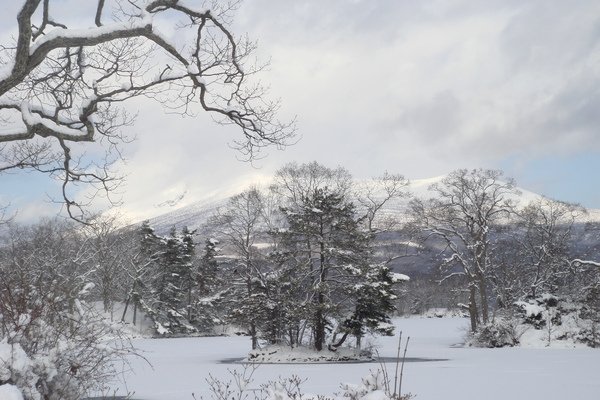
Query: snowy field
x=180 y=367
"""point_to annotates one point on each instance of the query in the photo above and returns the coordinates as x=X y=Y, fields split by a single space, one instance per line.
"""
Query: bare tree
x=60 y=87
x=238 y=225
x=111 y=246
x=377 y=202
x=547 y=228
x=464 y=210
x=294 y=181
x=66 y=349
x=374 y=195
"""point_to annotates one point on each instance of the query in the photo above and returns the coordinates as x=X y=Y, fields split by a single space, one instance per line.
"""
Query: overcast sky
x=412 y=87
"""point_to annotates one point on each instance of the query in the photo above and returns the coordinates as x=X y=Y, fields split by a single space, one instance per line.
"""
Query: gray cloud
x=415 y=87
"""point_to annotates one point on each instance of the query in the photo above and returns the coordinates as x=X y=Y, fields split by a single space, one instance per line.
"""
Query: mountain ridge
x=195 y=214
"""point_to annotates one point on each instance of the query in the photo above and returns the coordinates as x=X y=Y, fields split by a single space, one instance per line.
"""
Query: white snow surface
x=180 y=367
x=10 y=392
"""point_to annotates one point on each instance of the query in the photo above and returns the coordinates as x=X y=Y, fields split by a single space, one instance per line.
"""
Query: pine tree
x=171 y=310
x=207 y=275
x=189 y=272
x=208 y=291
x=374 y=304
x=324 y=236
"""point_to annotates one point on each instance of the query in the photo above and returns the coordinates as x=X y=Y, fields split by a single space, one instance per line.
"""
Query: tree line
x=295 y=264
x=508 y=256
x=311 y=260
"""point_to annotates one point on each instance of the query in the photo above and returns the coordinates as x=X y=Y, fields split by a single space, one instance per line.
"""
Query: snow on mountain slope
x=196 y=214
x=193 y=216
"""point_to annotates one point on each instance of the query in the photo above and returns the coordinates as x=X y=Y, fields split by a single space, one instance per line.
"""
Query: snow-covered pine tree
x=207 y=278
x=189 y=271
x=208 y=290
x=374 y=300
x=171 y=292
x=324 y=242
x=248 y=302
x=325 y=251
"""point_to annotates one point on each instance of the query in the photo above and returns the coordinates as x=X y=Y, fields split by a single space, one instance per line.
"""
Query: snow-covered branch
x=577 y=263
x=70 y=84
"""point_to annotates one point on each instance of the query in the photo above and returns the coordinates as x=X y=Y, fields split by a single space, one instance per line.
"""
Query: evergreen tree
x=328 y=275
x=325 y=238
x=171 y=310
x=189 y=277
x=207 y=275
x=287 y=312
x=374 y=303
x=208 y=290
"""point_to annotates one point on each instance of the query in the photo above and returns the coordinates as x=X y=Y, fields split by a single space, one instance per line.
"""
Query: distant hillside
x=585 y=241
x=196 y=214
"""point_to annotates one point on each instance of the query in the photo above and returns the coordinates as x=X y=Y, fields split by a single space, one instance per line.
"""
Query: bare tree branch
x=64 y=86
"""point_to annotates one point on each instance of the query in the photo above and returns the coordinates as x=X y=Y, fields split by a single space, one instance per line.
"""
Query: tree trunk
x=125 y=309
x=253 y=337
x=319 y=317
x=300 y=333
x=484 y=300
x=334 y=346
x=134 y=313
x=319 y=324
x=189 y=304
x=473 y=308
x=105 y=301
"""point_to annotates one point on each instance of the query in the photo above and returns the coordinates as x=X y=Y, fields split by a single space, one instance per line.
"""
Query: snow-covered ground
x=180 y=367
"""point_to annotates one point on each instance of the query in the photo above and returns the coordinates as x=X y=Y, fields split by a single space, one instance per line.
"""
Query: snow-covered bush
x=53 y=344
x=276 y=353
x=589 y=334
x=64 y=358
x=283 y=389
x=17 y=368
x=542 y=321
x=372 y=386
x=502 y=332
x=540 y=311
x=375 y=386
x=589 y=312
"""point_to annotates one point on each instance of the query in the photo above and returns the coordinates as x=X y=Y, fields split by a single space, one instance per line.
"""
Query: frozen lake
x=180 y=367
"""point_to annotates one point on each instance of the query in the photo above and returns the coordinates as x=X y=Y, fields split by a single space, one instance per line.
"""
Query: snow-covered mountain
x=196 y=214
x=193 y=216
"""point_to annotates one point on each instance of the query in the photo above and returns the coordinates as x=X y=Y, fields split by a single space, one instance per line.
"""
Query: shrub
x=64 y=358
x=502 y=332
